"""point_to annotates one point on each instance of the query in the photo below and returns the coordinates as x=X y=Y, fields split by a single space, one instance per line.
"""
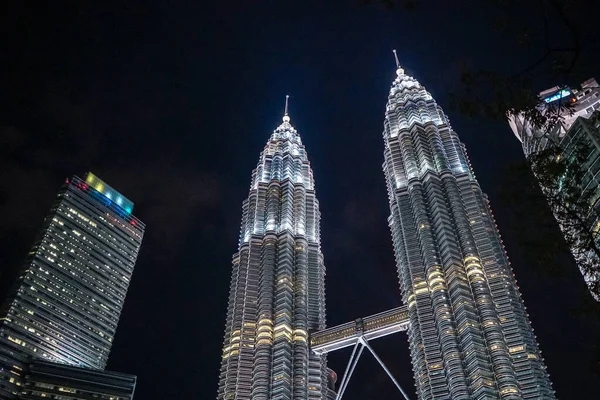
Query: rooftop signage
x=111 y=194
x=559 y=95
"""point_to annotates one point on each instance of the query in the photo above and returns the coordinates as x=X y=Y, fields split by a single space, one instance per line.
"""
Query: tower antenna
x=399 y=70
x=286 y=117
x=396 y=57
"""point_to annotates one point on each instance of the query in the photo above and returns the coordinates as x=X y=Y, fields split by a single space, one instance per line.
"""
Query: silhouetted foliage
x=559 y=183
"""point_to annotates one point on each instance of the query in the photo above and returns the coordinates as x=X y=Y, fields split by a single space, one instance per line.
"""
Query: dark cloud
x=169 y=197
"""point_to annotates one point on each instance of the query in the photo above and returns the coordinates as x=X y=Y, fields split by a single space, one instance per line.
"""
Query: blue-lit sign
x=563 y=93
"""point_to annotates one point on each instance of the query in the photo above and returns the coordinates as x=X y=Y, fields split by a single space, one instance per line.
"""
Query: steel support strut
x=343 y=382
x=362 y=342
x=366 y=344
x=349 y=369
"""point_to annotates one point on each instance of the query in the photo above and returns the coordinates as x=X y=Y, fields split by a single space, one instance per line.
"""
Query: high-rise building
x=469 y=334
x=66 y=303
x=575 y=131
x=277 y=292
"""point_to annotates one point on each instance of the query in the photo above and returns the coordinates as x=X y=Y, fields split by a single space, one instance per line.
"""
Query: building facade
x=577 y=130
x=46 y=380
x=277 y=292
x=66 y=304
x=469 y=335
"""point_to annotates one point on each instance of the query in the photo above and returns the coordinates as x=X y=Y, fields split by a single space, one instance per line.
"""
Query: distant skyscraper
x=277 y=292
x=66 y=304
x=469 y=334
x=576 y=131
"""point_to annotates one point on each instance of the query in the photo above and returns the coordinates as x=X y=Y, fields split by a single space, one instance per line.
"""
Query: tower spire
x=286 y=117
x=399 y=69
x=396 y=57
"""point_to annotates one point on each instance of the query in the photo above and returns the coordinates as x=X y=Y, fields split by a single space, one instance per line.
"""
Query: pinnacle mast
x=399 y=69
x=286 y=117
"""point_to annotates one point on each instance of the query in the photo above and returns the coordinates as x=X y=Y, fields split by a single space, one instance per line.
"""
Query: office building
x=66 y=303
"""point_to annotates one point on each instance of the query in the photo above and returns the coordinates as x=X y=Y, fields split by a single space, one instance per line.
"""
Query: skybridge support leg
x=349 y=369
x=365 y=343
x=343 y=382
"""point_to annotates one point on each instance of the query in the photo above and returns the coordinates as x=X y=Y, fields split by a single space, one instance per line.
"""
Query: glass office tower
x=66 y=304
x=470 y=336
x=578 y=130
x=277 y=292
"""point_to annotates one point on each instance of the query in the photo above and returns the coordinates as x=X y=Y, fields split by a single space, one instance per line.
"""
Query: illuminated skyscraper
x=470 y=336
x=277 y=292
x=578 y=130
x=66 y=304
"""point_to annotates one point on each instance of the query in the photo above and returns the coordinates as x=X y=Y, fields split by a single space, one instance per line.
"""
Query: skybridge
x=358 y=334
x=372 y=327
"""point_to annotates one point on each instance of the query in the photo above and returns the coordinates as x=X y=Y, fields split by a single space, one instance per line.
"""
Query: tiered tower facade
x=470 y=336
x=277 y=292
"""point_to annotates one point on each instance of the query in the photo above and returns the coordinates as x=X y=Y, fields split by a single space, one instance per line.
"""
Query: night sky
x=171 y=102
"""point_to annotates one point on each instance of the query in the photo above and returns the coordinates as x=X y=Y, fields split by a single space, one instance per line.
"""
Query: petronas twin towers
x=469 y=333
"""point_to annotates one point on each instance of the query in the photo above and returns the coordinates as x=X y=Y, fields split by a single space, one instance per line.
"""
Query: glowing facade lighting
x=109 y=193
